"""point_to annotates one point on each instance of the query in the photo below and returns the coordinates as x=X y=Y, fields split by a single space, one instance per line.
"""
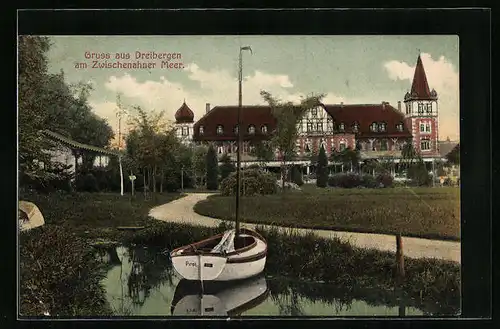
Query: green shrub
x=59 y=269
x=349 y=180
x=212 y=169
x=87 y=182
x=368 y=181
x=226 y=167
x=385 y=179
x=253 y=181
x=297 y=176
x=322 y=169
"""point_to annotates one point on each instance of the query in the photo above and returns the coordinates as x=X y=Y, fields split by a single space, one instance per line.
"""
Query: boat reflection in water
x=218 y=298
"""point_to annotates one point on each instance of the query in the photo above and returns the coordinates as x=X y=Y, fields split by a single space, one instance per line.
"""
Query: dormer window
x=429 y=108
x=355 y=127
x=374 y=127
x=420 y=108
x=382 y=126
x=251 y=129
x=329 y=123
x=220 y=130
x=201 y=130
x=341 y=126
x=399 y=127
x=314 y=112
x=263 y=129
x=236 y=129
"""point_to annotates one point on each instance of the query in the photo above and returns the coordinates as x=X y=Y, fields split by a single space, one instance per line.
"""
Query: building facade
x=376 y=130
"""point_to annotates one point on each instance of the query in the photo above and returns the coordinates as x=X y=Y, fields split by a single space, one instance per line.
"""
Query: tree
x=212 y=170
x=335 y=158
x=322 y=168
x=199 y=163
x=262 y=150
x=297 y=175
x=350 y=158
x=287 y=117
x=32 y=105
x=453 y=157
x=226 y=167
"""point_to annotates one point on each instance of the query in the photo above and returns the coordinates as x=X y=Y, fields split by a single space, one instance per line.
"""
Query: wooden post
x=400 y=266
x=182 y=179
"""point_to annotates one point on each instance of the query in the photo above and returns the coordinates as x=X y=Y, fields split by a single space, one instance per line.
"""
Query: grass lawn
x=432 y=213
x=96 y=214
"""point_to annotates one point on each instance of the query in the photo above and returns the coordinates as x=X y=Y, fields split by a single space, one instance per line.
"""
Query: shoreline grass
x=430 y=213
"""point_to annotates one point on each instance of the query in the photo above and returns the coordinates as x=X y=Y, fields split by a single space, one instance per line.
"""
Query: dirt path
x=181 y=211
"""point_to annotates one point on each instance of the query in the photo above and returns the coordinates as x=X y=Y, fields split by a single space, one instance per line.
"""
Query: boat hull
x=243 y=263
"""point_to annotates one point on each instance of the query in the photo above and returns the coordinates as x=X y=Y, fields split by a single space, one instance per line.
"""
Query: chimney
x=207 y=107
x=383 y=105
x=399 y=106
x=341 y=104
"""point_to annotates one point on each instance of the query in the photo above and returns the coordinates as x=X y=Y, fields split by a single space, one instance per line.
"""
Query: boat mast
x=238 y=154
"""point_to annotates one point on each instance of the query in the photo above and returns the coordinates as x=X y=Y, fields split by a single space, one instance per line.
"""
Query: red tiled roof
x=420 y=87
x=367 y=114
x=363 y=114
x=184 y=114
x=227 y=116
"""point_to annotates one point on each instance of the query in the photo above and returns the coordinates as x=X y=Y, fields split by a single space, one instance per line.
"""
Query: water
x=140 y=281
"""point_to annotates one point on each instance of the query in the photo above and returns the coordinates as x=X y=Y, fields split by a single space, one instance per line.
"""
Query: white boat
x=218 y=298
x=223 y=257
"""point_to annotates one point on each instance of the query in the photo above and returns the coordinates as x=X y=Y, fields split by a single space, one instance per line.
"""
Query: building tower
x=421 y=113
x=184 y=120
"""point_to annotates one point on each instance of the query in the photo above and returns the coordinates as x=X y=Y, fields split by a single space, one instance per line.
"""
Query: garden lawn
x=96 y=214
x=432 y=213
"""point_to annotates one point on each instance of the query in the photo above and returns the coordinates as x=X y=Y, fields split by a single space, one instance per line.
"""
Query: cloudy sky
x=349 y=69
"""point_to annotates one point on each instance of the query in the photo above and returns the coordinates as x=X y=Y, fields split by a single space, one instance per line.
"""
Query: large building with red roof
x=377 y=130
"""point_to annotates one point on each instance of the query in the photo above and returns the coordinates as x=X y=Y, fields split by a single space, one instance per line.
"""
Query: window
x=329 y=124
x=341 y=126
x=425 y=145
x=220 y=149
x=422 y=128
x=319 y=126
x=263 y=129
x=185 y=131
x=343 y=145
x=373 y=127
x=322 y=144
x=428 y=127
x=383 y=145
x=407 y=108
x=382 y=126
x=420 y=108
x=399 y=127
x=251 y=129
x=355 y=127
x=314 y=112
x=309 y=126
x=236 y=129
x=201 y=130
x=429 y=108
x=220 y=130
x=307 y=148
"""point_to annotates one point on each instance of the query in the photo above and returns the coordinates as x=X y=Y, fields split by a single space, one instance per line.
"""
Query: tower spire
x=420 y=87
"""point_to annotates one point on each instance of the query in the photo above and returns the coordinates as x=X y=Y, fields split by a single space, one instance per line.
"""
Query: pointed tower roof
x=420 y=88
x=184 y=114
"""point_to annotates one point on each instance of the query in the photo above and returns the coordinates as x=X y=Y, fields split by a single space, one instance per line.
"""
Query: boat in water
x=224 y=257
x=218 y=298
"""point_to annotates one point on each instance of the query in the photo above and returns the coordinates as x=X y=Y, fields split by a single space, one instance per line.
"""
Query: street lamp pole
x=238 y=154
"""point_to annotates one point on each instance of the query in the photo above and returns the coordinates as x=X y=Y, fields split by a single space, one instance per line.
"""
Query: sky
x=348 y=69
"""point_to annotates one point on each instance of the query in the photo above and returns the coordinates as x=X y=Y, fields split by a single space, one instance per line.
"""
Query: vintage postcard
x=228 y=176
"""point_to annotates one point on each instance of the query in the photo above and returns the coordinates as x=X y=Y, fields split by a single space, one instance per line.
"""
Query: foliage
x=58 y=269
x=262 y=150
x=385 y=180
x=212 y=169
x=226 y=167
x=368 y=181
x=253 y=181
x=287 y=117
x=297 y=175
x=345 y=180
x=322 y=169
x=420 y=212
x=56 y=177
x=419 y=174
x=199 y=162
x=453 y=157
x=87 y=183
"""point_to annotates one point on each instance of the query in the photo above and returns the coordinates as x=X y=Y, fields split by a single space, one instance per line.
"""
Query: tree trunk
x=161 y=181
x=154 y=179
x=144 y=181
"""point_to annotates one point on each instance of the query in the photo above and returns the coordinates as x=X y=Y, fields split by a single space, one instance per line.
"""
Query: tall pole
x=119 y=114
x=238 y=153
